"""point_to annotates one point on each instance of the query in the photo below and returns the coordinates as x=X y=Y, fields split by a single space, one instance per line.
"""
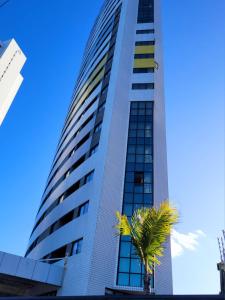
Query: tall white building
x=111 y=156
x=12 y=60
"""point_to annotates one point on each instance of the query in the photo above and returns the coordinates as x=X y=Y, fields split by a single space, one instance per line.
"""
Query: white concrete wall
x=95 y=268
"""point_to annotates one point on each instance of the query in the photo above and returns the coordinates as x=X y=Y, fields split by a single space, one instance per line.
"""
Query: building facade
x=12 y=60
x=111 y=156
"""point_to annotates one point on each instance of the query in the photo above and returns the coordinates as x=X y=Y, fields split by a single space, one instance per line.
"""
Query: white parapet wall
x=20 y=276
x=12 y=60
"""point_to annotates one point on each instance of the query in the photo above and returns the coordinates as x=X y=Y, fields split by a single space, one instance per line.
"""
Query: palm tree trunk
x=147 y=279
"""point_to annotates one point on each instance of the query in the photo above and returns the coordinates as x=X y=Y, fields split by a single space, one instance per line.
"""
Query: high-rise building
x=111 y=156
x=12 y=60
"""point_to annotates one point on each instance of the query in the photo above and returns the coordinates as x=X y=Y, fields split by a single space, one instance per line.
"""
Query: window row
x=76 y=147
x=139 y=178
x=141 y=105
x=139 y=167
x=140 y=149
x=143 y=70
x=73 y=167
x=129 y=279
x=140 y=141
x=78 y=103
x=95 y=47
x=136 y=199
x=71 y=153
x=84 y=180
x=146 y=11
x=146 y=188
x=140 y=133
x=77 y=120
x=97 y=53
x=144 y=55
x=144 y=43
x=145 y=31
x=66 y=250
x=142 y=86
x=135 y=119
x=73 y=214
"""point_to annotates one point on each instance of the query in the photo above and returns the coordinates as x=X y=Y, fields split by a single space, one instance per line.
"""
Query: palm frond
x=149 y=229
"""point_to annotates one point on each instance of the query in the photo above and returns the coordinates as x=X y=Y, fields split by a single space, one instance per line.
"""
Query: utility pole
x=221 y=264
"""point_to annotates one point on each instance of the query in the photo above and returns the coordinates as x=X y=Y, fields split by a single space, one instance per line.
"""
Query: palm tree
x=149 y=229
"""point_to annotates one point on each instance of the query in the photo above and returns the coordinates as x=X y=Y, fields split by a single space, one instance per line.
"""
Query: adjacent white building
x=12 y=60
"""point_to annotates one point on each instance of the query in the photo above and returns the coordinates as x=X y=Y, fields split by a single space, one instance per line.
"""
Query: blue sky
x=52 y=34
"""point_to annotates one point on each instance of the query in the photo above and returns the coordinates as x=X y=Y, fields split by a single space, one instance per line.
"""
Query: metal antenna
x=220 y=249
x=221 y=264
x=223 y=249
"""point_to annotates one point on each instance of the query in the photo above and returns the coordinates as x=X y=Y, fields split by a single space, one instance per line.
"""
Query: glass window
x=123 y=279
x=124 y=265
x=148 y=158
x=132 y=141
x=138 y=198
x=148 y=112
x=130 y=166
x=140 y=141
x=140 y=149
x=147 y=188
x=138 y=177
x=83 y=209
x=148 y=126
x=137 y=206
x=125 y=249
x=128 y=198
x=135 y=266
x=141 y=105
x=148 y=167
x=138 y=189
x=148 y=199
x=141 y=112
x=148 y=133
x=125 y=238
x=134 y=104
x=130 y=158
x=132 y=133
x=128 y=187
x=133 y=125
x=148 y=150
x=133 y=252
x=129 y=176
x=128 y=209
x=140 y=158
x=77 y=247
x=148 y=141
x=140 y=133
x=139 y=167
x=89 y=177
x=131 y=149
x=141 y=126
x=147 y=177
x=134 y=112
x=135 y=280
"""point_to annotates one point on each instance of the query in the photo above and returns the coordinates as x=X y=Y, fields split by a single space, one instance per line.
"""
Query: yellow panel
x=95 y=82
x=144 y=63
x=92 y=75
x=144 y=49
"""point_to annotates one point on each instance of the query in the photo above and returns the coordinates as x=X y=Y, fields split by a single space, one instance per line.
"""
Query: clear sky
x=52 y=34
